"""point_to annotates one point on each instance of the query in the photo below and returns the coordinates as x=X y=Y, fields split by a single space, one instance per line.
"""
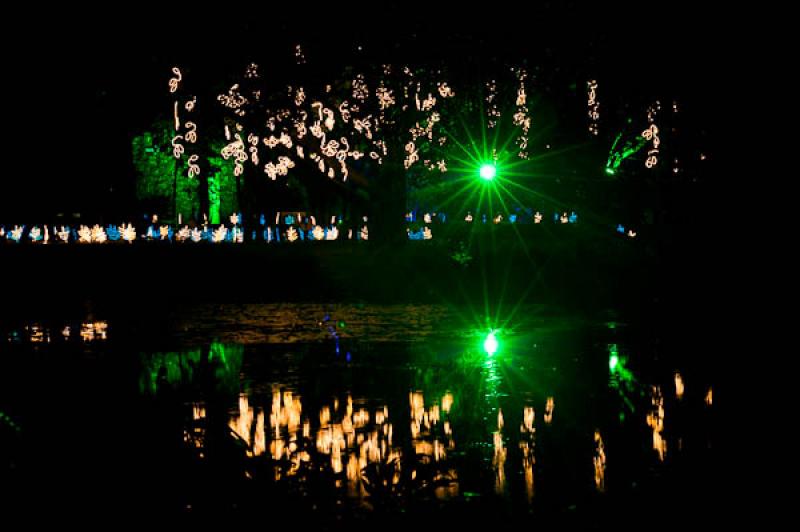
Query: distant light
x=490 y=345
x=488 y=171
x=613 y=361
x=610 y=171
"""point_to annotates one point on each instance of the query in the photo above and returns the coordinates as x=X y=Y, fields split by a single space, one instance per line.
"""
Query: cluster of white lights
x=651 y=133
x=521 y=117
x=594 y=106
x=491 y=103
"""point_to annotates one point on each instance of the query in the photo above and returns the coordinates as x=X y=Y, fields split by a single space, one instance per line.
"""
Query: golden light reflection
x=678 y=385
x=548 y=410
x=655 y=420
x=352 y=441
x=527 y=445
x=599 y=462
x=91 y=331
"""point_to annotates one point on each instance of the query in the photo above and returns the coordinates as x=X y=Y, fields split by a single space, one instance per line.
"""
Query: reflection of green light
x=488 y=171
x=490 y=345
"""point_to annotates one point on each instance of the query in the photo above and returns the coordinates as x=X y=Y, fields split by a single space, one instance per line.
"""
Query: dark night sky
x=78 y=84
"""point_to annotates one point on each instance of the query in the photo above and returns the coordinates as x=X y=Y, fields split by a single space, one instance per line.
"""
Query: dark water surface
x=342 y=416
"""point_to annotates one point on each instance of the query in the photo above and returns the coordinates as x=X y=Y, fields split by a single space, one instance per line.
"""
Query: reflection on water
x=392 y=426
x=37 y=333
x=655 y=420
x=599 y=462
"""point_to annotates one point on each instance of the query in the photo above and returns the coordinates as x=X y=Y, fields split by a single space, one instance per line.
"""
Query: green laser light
x=490 y=344
x=488 y=171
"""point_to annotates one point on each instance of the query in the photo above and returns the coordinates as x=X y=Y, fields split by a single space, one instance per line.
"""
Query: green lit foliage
x=222 y=194
x=617 y=154
x=159 y=175
x=220 y=362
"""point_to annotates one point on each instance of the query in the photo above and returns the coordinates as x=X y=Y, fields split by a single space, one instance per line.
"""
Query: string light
x=191 y=135
x=594 y=106
x=173 y=82
x=651 y=133
x=177 y=147
x=194 y=168
x=521 y=117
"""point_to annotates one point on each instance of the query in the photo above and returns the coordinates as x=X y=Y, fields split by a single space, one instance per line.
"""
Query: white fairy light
x=173 y=82
x=364 y=233
x=252 y=71
x=651 y=133
x=385 y=97
x=360 y=90
x=189 y=106
x=537 y=218
x=176 y=117
x=194 y=168
x=191 y=134
x=291 y=234
x=427 y=234
x=318 y=232
x=99 y=234
x=594 y=106
x=177 y=147
x=196 y=235
x=333 y=234
x=445 y=91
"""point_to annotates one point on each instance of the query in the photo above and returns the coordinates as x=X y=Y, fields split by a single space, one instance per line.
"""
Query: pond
x=334 y=416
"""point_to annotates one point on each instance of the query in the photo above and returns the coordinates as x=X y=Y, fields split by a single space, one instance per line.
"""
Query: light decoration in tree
x=651 y=134
x=492 y=112
x=63 y=234
x=537 y=218
x=196 y=235
x=332 y=233
x=521 y=117
x=594 y=106
x=291 y=234
x=318 y=233
x=174 y=82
